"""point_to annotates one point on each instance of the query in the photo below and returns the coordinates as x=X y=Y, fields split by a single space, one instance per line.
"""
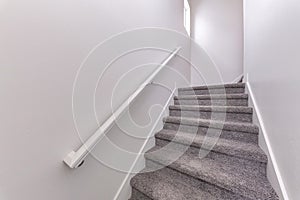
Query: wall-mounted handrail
x=75 y=158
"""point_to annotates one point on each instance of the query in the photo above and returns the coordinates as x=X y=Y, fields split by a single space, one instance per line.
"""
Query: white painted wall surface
x=42 y=44
x=272 y=63
x=217 y=26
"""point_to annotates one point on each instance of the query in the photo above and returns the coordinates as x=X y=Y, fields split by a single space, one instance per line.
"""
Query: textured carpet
x=207 y=150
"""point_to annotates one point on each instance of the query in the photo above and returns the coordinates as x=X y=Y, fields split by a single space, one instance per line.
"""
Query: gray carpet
x=207 y=150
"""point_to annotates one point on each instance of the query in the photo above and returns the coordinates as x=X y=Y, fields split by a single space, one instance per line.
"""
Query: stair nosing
x=169 y=170
x=233 y=186
x=211 y=97
x=232 y=85
x=216 y=124
x=218 y=147
x=219 y=109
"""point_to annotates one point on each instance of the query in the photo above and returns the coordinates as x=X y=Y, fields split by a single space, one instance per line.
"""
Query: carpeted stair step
x=228 y=148
x=213 y=100
x=208 y=149
x=251 y=165
x=213 y=89
x=223 y=113
x=244 y=132
x=167 y=184
x=229 y=176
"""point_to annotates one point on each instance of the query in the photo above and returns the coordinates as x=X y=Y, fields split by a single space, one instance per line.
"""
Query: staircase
x=181 y=167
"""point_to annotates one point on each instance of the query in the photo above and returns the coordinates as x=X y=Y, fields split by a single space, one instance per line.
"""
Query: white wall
x=272 y=63
x=217 y=26
x=42 y=46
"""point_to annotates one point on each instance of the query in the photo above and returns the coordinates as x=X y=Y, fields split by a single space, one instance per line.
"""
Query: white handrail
x=75 y=159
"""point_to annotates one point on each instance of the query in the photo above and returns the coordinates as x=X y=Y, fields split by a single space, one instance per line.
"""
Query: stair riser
x=208 y=102
x=247 y=161
x=219 y=192
x=136 y=195
x=233 y=135
x=212 y=91
x=222 y=116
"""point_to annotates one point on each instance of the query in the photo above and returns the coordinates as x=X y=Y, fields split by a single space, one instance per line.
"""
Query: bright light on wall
x=187 y=17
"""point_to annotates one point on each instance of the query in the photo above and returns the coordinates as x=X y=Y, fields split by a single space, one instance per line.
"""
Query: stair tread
x=165 y=184
x=212 y=96
x=230 y=176
x=233 y=85
x=228 y=109
x=231 y=126
x=238 y=149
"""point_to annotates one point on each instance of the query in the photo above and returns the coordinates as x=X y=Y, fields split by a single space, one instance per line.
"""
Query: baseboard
x=273 y=171
x=123 y=191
